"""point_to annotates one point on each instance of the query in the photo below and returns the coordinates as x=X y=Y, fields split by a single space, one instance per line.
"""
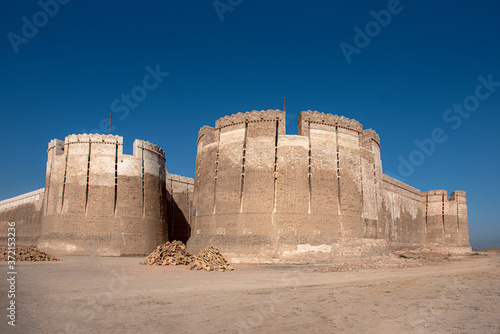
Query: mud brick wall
x=179 y=206
x=402 y=214
x=25 y=211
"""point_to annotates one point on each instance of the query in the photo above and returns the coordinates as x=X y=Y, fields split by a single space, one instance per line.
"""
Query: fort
x=258 y=194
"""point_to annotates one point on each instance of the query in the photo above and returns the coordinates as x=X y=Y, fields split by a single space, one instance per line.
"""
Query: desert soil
x=458 y=294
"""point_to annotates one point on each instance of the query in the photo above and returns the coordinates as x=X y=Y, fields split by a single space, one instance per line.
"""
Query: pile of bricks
x=211 y=259
x=174 y=253
x=25 y=254
x=169 y=254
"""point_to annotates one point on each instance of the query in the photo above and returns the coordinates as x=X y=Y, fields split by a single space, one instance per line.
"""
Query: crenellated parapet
x=371 y=135
x=147 y=146
x=93 y=138
x=439 y=192
x=330 y=119
x=458 y=194
x=206 y=134
x=57 y=145
x=249 y=117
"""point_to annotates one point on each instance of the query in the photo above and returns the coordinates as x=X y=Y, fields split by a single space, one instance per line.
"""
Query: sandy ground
x=118 y=295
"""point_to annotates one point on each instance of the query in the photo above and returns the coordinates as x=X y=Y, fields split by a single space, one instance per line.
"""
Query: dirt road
x=118 y=295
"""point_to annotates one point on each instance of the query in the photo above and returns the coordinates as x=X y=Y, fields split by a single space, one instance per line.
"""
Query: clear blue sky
x=65 y=77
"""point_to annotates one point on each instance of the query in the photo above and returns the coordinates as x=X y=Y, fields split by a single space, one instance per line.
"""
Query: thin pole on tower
x=109 y=132
x=284 y=105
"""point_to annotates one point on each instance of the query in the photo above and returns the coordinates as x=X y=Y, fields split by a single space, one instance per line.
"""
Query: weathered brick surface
x=403 y=213
x=258 y=187
x=100 y=199
x=25 y=211
x=179 y=192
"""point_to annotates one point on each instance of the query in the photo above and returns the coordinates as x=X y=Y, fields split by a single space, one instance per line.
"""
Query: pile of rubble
x=174 y=253
x=376 y=262
x=169 y=254
x=211 y=259
x=25 y=254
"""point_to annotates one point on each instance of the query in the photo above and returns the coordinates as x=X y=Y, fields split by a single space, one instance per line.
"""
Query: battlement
x=458 y=193
x=250 y=116
x=142 y=144
x=103 y=139
x=56 y=144
x=439 y=192
x=207 y=132
x=330 y=119
x=370 y=134
x=94 y=138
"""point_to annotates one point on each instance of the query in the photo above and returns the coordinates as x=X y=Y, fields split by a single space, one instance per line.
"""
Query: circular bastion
x=264 y=196
x=98 y=199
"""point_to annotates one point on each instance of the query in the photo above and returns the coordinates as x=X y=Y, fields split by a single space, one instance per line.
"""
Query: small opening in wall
x=338 y=171
x=143 y=190
x=116 y=178
x=88 y=176
x=64 y=180
x=443 y=214
x=275 y=166
x=309 y=174
x=276 y=137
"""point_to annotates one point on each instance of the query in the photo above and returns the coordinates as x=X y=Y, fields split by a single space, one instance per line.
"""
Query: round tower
x=98 y=199
x=263 y=196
